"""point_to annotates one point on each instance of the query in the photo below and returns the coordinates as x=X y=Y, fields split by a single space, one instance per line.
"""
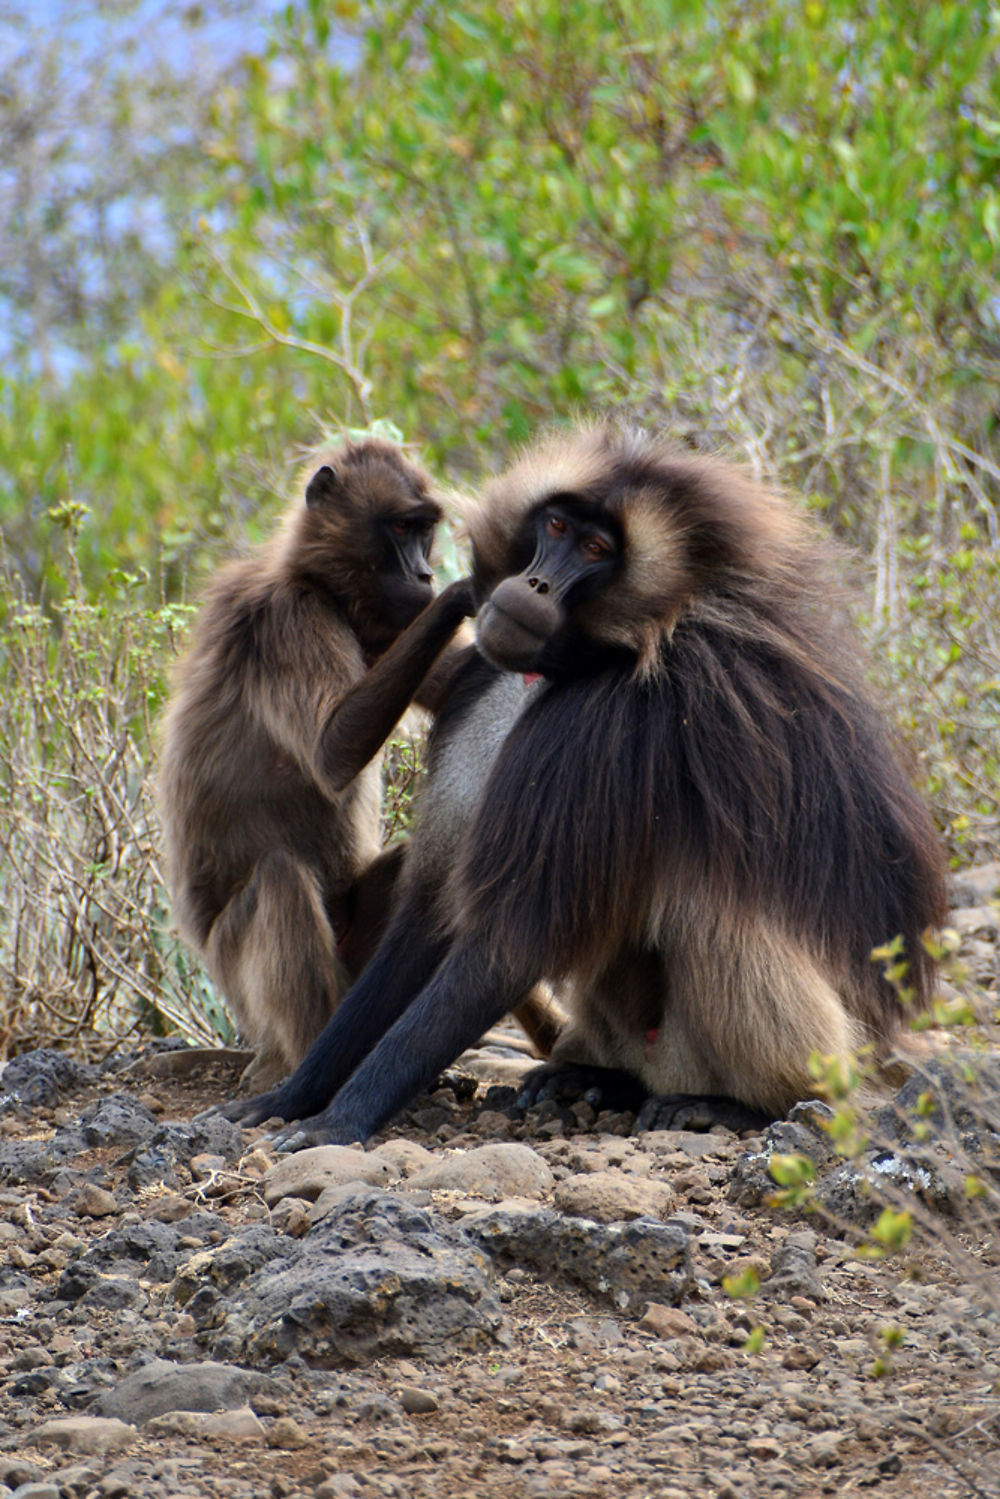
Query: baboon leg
x=464 y=996
x=405 y=961
x=273 y=952
x=747 y=1009
x=541 y=1019
x=722 y=1032
x=370 y=903
x=597 y=1054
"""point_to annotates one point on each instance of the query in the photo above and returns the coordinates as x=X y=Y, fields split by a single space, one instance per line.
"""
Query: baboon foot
x=697 y=1111
x=566 y=1082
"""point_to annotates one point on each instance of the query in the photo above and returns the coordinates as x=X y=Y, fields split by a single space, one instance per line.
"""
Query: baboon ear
x=323 y=488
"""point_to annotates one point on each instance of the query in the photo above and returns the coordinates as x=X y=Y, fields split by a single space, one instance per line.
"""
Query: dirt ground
x=879 y=1375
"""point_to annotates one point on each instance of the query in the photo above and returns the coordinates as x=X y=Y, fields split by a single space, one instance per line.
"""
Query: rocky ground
x=489 y=1303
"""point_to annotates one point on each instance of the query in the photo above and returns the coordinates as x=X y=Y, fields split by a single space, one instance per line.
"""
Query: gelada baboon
x=694 y=819
x=299 y=667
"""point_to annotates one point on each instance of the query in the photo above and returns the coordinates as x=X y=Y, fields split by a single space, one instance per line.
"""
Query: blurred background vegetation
x=763 y=227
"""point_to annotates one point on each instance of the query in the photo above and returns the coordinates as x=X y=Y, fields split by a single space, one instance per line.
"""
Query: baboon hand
x=321 y=1129
x=462 y=594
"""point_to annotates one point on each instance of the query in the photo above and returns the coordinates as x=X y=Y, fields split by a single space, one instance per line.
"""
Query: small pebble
x=170 y=1208
x=287 y=1434
x=417 y=1402
x=205 y=1166
x=667 y=1321
x=91 y=1201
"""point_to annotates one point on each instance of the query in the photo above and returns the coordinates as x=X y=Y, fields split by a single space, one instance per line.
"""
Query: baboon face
x=373 y=521
x=404 y=541
x=574 y=550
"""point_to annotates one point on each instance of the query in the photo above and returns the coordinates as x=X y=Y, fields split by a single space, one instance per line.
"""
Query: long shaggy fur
x=262 y=851
x=718 y=803
x=695 y=821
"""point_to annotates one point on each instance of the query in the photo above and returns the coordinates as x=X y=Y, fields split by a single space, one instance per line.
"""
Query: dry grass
x=85 y=955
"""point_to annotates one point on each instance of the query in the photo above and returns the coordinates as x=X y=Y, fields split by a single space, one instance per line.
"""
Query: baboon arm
x=436 y=685
x=405 y=961
x=463 y=999
x=363 y=719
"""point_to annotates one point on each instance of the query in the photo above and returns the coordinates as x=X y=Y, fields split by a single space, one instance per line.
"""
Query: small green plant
x=744 y=1287
x=401 y=772
x=796 y=1176
x=891 y=1338
x=890 y=1234
x=755 y=1339
x=926 y=1182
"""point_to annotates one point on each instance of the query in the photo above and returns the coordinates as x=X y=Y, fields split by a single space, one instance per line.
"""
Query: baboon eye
x=400 y=527
x=556 y=526
x=596 y=548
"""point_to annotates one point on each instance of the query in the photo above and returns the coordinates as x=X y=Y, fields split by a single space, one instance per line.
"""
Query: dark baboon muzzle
x=403 y=599
x=515 y=624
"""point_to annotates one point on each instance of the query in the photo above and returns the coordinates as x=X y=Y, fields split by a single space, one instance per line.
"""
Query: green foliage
x=755 y=1340
x=949 y=643
x=919 y=1182
x=403 y=764
x=891 y=1338
x=742 y=1286
x=526 y=204
x=892 y=1231
x=157 y=451
x=767 y=225
x=795 y=1175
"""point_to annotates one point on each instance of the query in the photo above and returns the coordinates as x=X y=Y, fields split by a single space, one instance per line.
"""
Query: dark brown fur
x=268 y=789
x=698 y=822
